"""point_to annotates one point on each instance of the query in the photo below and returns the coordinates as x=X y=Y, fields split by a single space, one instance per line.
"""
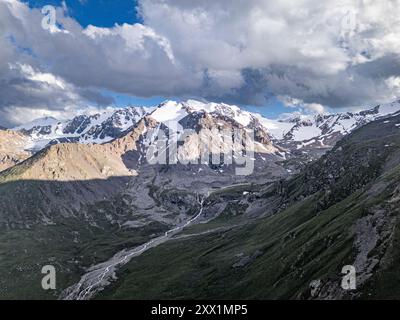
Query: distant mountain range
x=300 y=137
x=300 y=131
x=97 y=128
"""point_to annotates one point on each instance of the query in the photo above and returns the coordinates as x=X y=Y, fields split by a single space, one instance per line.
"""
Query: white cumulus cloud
x=332 y=53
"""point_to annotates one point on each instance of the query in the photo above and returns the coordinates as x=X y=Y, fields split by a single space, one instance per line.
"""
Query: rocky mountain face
x=12 y=148
x=307 y=138
x=323 y=131
x=304 y=138
x=86 y=129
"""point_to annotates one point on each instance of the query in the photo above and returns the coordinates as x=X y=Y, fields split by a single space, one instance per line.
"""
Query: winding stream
x=101 y=275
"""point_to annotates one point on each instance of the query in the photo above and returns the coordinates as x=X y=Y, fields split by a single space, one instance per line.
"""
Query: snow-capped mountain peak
x=324 y=130
x=96 y=128
x=41 y=122
x=172 y=111
x=292 y=133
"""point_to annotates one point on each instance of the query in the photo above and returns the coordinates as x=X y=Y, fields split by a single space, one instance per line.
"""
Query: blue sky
x=101 y=13
x=107 y=13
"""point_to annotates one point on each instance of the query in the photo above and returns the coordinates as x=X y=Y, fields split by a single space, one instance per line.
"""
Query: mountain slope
x=86 y=200
x=265 y=235
x=342 y=210
x=69 y=162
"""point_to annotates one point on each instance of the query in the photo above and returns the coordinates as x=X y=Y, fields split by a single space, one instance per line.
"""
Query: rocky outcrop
x=12 y=148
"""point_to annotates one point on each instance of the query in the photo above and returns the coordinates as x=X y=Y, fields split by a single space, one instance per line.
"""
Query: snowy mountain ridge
x=324 y=130
x=98 y=128
x=295 y=132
